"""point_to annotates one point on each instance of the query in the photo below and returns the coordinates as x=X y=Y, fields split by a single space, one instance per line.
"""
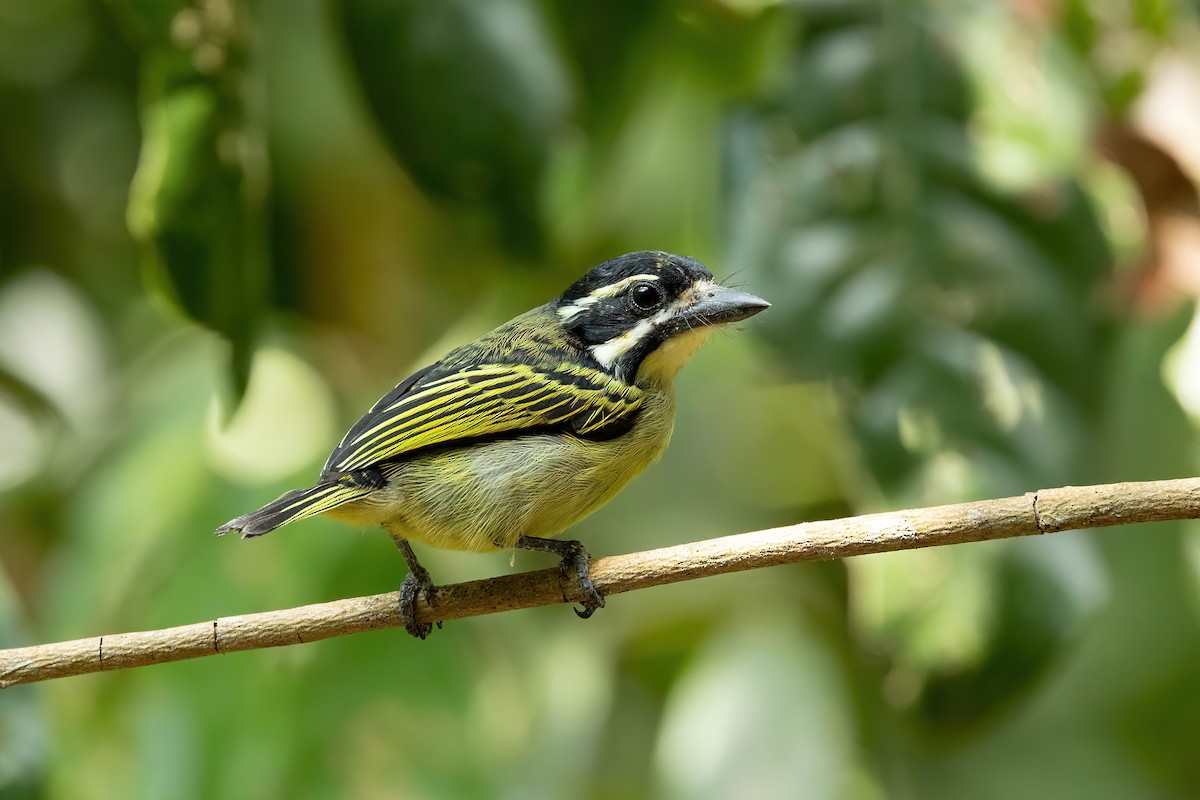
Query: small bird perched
x=514 y=437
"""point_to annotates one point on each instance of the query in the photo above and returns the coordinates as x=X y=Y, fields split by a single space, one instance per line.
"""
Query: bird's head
x=642 y=315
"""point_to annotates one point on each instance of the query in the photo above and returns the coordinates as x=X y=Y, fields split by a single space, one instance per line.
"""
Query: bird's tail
x=294 y=505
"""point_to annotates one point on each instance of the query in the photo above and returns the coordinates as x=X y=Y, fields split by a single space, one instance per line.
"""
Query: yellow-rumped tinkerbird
x=512 y=438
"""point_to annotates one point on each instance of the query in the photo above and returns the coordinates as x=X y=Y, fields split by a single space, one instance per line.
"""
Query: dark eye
x=645 y=296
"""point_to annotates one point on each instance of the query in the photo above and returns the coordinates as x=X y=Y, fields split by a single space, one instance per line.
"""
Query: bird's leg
x=574 y=558
x=416 y=583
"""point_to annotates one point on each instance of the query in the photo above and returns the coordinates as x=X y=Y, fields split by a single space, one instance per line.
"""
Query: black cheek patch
x=603 y=321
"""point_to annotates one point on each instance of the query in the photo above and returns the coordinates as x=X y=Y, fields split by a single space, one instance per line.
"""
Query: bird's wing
x=488 y=400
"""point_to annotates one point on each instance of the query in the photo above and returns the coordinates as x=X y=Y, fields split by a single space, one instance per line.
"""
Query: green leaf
x=1043 y=592
x=29 y=397
x=197 y=201
x=959 y=321
x=469 y=96
x=760 y=710
x=894 y=266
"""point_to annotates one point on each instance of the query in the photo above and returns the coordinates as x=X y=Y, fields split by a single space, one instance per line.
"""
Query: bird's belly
x=485 y=496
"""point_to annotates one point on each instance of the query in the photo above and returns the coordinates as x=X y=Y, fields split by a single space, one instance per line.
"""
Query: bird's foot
x=579 y=560
x=575 y=561
x=417 y=584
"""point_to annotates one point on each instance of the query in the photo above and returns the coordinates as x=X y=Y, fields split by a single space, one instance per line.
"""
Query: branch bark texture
x=1043 y=511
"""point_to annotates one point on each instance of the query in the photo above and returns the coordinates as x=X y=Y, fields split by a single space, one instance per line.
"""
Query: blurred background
x=227 y=227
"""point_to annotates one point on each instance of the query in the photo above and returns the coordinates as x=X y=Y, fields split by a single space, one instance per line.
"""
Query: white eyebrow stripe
x=577 y=307
x=613 y=289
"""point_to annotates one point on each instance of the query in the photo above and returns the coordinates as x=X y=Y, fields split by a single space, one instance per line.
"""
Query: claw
x=578 y=558
x=416 y=585
x=574 y=557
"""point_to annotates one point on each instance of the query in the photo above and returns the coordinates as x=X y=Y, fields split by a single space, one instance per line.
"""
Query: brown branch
x=1044 y=511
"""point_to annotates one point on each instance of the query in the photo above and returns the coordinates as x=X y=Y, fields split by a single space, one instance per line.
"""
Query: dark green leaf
x=1043 y=596
x=197 y=202
x=468 y=95
x=27 y=396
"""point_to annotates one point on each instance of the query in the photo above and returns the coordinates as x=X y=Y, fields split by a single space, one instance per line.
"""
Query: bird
x=508 y=440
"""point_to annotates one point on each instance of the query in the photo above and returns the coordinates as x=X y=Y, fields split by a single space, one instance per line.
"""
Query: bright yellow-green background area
x=227 y=228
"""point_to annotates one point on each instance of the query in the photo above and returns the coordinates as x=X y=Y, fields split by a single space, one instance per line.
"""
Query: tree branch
x=1044 y=511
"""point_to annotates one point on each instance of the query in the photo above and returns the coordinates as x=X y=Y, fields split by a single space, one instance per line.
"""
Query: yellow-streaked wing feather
x=491 y=400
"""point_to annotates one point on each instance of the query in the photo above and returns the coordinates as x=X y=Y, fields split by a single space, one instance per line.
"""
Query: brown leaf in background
x=1160 y=150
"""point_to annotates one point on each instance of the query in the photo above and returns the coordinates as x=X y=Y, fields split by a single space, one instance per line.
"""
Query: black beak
x=721 y=305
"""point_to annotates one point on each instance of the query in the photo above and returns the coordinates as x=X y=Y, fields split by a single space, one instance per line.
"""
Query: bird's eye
x=645 y=296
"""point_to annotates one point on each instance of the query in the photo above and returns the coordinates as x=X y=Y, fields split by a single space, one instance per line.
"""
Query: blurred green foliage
x=338 y=191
